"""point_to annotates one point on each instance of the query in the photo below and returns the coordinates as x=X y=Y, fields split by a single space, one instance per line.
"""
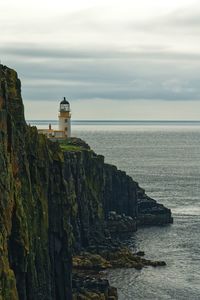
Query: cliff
x=35 y=233
x=98 y=189
x=55 y=200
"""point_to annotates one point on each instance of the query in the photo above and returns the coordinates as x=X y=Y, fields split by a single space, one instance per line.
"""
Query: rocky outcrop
x=150 y=212
x=117 y=258
x=55 y=200
x=121 y=224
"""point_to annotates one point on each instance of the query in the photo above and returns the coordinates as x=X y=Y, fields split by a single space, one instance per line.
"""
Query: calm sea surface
x=164 y=157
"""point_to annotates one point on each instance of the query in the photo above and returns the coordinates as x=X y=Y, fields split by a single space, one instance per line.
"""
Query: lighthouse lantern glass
x=64 y=107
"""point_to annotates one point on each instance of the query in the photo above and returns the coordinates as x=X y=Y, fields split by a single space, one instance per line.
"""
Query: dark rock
x=92 y=287
x=121 y=223
x=150 y=212
x=140 y=253
x=119 y=258
x=112 y=293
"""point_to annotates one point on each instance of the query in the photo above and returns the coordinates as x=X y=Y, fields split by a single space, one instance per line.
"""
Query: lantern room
x=64 y=105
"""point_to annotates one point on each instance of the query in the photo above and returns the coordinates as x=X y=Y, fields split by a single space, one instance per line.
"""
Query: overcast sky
x=112 y=59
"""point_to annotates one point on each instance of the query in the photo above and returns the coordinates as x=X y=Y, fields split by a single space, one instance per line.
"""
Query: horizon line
x=109 y=120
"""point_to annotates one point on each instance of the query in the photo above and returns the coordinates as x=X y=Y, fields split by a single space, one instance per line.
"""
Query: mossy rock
x=90 y=261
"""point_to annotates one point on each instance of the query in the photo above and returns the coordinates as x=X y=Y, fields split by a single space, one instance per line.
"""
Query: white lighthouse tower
x=65 y=118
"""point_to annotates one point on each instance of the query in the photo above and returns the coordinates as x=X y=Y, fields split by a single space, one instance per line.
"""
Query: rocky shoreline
x=88 y=280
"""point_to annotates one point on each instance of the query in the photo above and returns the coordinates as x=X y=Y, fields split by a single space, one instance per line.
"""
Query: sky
x=127 y=60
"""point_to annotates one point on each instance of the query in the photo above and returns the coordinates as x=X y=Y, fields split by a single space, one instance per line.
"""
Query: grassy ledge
x=70 y=148
x=73 y=144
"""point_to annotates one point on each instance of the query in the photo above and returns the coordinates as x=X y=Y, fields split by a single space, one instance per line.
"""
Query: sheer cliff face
x=97 y=188
x=49 y=200
x=35 y=234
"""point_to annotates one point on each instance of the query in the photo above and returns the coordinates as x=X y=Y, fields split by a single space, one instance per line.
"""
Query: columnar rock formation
x=53 y=201
x=35 y=232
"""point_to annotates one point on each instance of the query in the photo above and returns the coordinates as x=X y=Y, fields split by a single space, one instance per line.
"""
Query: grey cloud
x=129 y=87
x=186 y=21
x=33 y=51
x=162 y=75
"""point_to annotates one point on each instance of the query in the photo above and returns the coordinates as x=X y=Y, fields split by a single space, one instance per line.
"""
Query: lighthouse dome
x=64 y=101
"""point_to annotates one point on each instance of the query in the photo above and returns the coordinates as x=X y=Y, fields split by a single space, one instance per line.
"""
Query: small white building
x=64 y=118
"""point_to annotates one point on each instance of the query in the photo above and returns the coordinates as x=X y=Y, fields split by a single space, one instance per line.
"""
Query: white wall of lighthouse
x=65 y=118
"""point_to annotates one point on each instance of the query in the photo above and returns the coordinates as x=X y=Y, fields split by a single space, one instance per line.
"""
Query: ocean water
x=164 y=158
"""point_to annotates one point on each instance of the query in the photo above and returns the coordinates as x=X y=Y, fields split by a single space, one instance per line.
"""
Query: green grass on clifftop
x=73 y=144
x=70 y=148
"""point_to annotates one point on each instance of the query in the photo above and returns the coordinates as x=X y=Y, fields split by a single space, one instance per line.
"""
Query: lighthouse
x=65 y=118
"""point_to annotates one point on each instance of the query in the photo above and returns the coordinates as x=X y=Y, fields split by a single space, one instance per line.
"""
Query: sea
x=164 y=157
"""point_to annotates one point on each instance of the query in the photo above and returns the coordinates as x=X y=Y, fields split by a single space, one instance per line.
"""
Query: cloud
x=182 y=21
x=51 y=73
x=150 y=52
